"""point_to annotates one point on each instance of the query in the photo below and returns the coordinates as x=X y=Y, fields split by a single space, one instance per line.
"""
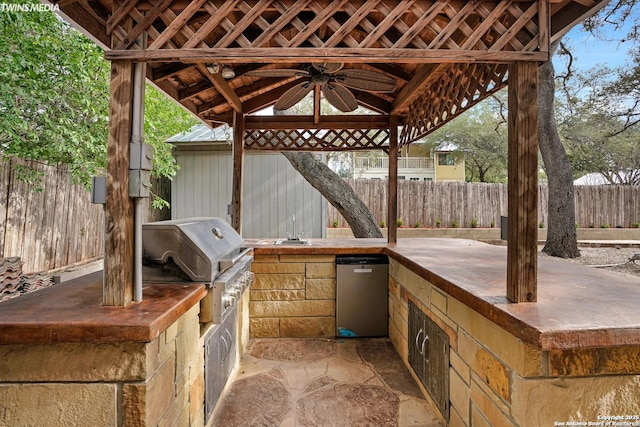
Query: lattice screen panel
x=366 y=24
x=316 y=139
x=456 y=91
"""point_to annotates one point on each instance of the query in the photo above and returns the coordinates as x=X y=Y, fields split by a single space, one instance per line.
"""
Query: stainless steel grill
x=202 y=247
x=206 y=250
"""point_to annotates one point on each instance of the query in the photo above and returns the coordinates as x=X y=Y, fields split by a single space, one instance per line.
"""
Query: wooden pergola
x=445 y=56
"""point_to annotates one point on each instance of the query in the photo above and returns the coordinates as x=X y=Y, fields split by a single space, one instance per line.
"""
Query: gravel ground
x=609 y=256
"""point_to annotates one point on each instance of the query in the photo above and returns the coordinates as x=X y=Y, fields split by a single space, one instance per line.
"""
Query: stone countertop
x=577 y=306
x=320 y=247
x=73 y=312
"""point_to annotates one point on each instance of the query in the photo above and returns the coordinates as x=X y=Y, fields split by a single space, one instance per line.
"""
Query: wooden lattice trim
x=316 y=139
x=504 y=25
x=461 y=88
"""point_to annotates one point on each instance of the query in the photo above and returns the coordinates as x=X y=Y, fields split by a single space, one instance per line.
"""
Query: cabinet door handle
x=426 y=338
x=417 y=338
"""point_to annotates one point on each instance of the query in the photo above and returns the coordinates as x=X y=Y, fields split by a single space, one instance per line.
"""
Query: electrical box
x=140 y=156
x=139 y=183
x=99 y=189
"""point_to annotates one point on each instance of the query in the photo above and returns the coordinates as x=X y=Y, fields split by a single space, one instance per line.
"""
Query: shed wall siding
x=273 y=193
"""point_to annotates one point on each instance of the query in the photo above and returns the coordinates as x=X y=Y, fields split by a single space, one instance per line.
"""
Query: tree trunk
x=562 y=240
x=337 y=192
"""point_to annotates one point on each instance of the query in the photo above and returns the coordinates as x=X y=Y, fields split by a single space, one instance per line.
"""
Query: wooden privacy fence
x=51 y=227
x=427 y=204
x=51 y=224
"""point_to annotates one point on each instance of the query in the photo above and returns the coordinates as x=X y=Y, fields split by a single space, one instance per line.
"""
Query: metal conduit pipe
x=137 y=133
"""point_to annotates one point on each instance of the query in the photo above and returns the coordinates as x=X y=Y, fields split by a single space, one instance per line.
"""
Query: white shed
x=273 y=190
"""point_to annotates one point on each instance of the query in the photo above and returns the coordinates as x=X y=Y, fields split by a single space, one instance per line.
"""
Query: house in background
x=273 y=190
x=628 y=177
x=444 y=164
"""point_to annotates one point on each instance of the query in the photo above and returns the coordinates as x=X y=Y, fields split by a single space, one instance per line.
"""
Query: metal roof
x=203 y=133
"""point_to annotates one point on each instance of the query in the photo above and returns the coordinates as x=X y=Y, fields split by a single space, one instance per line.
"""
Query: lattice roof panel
x=444 y=56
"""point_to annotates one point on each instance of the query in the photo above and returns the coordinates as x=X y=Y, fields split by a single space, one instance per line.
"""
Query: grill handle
x=226 y=263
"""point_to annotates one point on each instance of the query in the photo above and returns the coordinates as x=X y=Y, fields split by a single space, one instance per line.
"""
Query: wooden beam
x=118 y=250
x=425 y=76
x=372 y=101
x=575 y=12
x=392 y=202
x=87 y=23
x=238 y=171
x=171 y=69
x=522 y=235
x=303 y=54
x=365 y=121
x=223 y=88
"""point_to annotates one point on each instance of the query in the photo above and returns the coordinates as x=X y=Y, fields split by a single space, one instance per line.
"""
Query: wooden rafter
x=420 y=43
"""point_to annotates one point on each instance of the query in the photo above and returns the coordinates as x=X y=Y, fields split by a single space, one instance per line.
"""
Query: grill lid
x=201 y=247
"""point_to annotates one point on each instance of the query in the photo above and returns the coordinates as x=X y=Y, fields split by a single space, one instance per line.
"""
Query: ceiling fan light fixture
x=333 y=80
x=227 y=72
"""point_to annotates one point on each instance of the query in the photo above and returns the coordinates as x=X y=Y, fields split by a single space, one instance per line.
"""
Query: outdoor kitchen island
x=573 y=356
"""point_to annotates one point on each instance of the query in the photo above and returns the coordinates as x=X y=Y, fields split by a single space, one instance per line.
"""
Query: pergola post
x=119 y=233
x=238 y=171
x=392 y=202
x=522 y=235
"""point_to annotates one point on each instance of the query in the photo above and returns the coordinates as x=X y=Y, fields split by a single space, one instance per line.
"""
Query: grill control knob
x=247 y=277
x=228 y=300
x=237 y=292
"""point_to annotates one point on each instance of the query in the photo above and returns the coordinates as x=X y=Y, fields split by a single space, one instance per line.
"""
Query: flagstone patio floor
x=323 y=382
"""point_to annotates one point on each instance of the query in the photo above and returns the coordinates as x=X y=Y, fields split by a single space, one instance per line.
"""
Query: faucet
x=289 y=235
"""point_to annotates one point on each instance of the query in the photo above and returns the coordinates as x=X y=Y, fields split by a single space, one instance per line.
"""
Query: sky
x=589 y=50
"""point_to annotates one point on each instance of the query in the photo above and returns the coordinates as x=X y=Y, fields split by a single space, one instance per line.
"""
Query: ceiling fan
x=333 y=81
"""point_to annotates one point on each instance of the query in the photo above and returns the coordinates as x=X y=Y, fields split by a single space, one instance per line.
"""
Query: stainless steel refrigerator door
x=362 y=300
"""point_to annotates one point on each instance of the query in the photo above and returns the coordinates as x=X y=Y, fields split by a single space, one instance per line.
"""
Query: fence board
x=54 y=227
x=425 y=202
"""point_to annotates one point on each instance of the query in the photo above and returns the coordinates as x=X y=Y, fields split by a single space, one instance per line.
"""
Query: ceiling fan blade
x=293 y=95
x=328 y=67
x=367 y=80
x=340 y=97
x=277 y=72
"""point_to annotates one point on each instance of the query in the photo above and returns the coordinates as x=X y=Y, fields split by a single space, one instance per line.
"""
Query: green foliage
x=399 y=222
x=474 y=222
x=383 y=223
x=335 y=223
x=53 y=93
x=438 y=223
x=54 y=99
x=493 y=224
x=455 y=224
x=605 y=225
x=541 y=224
x=635 y=225
x=418 y=224
x=481 y=136
x=163 y=119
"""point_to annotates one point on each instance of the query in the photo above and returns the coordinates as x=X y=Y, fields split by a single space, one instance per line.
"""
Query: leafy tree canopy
x=54 y=95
